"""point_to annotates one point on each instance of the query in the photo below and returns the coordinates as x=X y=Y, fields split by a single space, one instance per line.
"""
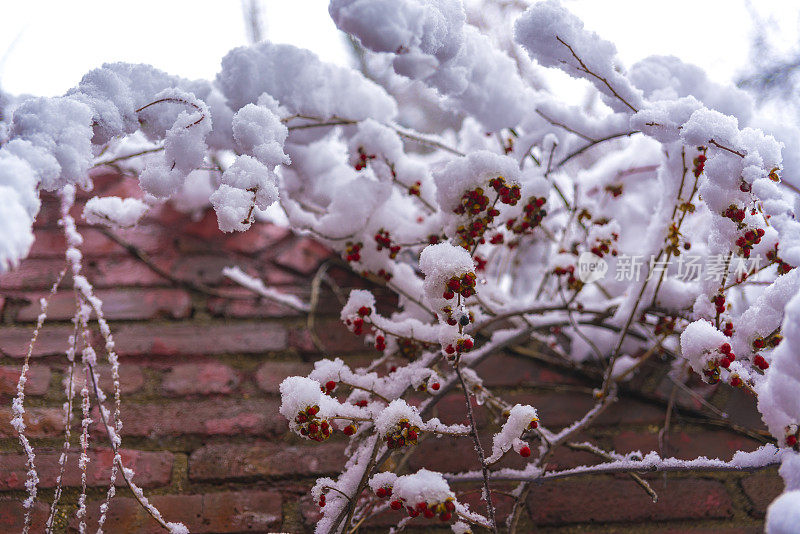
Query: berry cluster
x=463 y=285
x=472 y=232
x=699 y=162
x=384 y=241
x=443 y=509
x=793 y=436
x=506 y=195
x=350 y=429
x=734 y=213
x=665 y=325
x=384 y=492
x=380 y=343
x=356 y=324
x=771 y=341
x=353 y=251
x=464 y=320
x=746 y=241
x=712 y=370
x=728 y=329
x=603 y=246
x=719 y=304
x=463 y=344
x=361 y=163
x=783 y=267
x=424 y=387
x=312 y=426
x=531 y=217
x=405 y=434
x=472 y=202
x=572 y=282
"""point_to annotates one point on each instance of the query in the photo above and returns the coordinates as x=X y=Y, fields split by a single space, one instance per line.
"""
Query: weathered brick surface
x=620 y=500
x=200 y=375
x=200 y=379
x=152 y=468
x=267 y=459
x=223 y=512
x=761 y=489
x=37 y=383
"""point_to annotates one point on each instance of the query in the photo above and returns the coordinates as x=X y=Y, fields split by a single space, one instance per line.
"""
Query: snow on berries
x=399 y=424
x=704 y=347
x=424 y=493
x=521 y=419
x=449 y=271
x=306 y=408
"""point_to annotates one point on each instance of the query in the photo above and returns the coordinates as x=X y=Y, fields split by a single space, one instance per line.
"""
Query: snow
x=114 y=211
x=397 y=410
x=518 y=422
x=302 y=83
x=547 y=31
x=423 y=486
x=783 y=515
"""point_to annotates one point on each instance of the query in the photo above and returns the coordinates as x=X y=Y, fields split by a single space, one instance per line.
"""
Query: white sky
x=47 y=45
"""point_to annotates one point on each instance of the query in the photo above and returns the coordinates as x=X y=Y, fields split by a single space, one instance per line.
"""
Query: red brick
x=200 y=378
x=131 y=378
x=50 y=243
x=247 y=305
x=255 y=417
x=304 y=256
x=38 y=380
x=224 y=512
x=509 y=371
x=206 y=269
x=618 y=499
x=12 y=515
x=270 y=375
x=40 y=422
x=256 y=239
x=125 y=271
x=52 y=339
x=265 y=459
x=762 y=489
x=32 y=273
x=686 y=444
x=118 y=304
x=335 y=338
x=197 y=338
x=152 y=468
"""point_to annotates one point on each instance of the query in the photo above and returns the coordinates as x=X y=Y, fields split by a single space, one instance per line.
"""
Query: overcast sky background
x=47 y=45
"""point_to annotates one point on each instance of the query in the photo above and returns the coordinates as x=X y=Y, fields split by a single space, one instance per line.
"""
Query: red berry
x=429 y=513
x=724 y=362
x=447 y=295
x=736 y=381
x=449 y=506
x=396 y=505
x=791 y=441
x=445 y=516
x=449 y=349
x=435 y=386
x=381 y=492
x=725 y=348
x=525 y=451
x=330 y=384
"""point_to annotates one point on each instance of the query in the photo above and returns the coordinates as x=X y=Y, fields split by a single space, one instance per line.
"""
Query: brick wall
x=200 y=375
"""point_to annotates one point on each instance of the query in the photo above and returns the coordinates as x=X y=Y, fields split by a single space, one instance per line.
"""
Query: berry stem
x=478 y=448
